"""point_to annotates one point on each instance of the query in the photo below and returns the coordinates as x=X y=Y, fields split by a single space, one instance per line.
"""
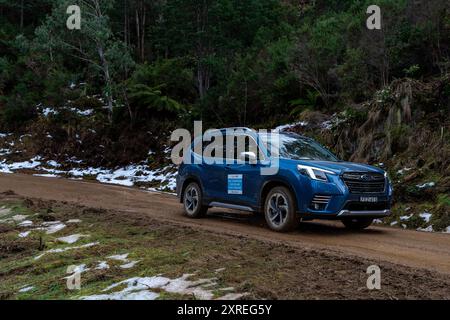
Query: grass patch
x=263 y=270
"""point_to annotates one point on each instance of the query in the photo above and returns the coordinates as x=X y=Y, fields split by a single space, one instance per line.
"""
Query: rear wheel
x=279 y=210
x=192 y=200
x=357 y=223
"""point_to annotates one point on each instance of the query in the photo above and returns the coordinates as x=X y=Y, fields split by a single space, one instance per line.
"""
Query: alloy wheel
x=278 y=209
x=191 y=200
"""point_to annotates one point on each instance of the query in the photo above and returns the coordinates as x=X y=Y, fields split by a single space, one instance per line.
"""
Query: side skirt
x=231 y=206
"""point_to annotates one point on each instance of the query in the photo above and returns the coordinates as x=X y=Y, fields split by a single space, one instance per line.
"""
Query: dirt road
x=430 y=251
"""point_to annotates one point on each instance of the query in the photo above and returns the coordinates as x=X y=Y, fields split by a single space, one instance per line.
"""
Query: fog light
x=319 y=203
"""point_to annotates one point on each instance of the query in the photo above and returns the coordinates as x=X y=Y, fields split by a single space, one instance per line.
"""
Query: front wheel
x=192 y=201
x=279 y=210
x=357 y=223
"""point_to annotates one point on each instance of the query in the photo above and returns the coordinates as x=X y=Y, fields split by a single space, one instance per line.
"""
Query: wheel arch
x=188 y=181
x=269 y=185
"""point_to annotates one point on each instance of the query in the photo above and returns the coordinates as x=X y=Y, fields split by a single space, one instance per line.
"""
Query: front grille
x=365 y=182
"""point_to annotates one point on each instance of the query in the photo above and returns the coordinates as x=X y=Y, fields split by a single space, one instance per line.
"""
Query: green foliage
x=355 y=116
x=354 y=75
x=412 y=71
x=399 y=137
x=176 y=75
x=231 y=61
x=16 y=112
x=444 y=199
x=152 y=97
x=302 y=104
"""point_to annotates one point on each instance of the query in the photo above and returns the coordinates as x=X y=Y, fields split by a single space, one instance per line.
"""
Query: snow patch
x=26 y=223
x=4 y=168
x=47 y=175
x=4 y=211
x=122 y=257
x=78 y=270
x=26 y=289
x=140 y=288
x=334 y=121
x=33 y=163
x=73 y=221
x=49 y=111
x=426 y=216
x=72 y=239
x=84 y=113
x=60 y=250
x=102 y=265
x=24 y=234
x=5 y=152
x=290 y=126
x=427 y=185
x=52 y=227
x=125 y=295
x=131 y=175
x=427 y=229
x=19 y=218
x=53 y=164
x=403 y=171
x=4 y=135
x=129 y=265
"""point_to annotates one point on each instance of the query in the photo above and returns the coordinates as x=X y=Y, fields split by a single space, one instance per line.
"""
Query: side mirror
x=248 y=157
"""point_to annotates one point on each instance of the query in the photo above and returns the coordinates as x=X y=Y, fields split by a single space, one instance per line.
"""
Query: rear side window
x=236 y=144
x=232 y=146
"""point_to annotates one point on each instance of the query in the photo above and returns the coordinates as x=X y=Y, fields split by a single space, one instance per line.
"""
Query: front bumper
x=339 y=203
x=365 y=214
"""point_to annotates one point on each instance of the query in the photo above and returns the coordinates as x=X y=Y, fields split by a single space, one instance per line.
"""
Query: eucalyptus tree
x=94 y=44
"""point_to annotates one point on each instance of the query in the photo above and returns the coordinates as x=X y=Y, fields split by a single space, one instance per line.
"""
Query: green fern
x=309 y=102
x=153 y=98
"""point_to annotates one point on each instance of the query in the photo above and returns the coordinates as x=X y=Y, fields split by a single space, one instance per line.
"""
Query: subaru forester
x=310 y=182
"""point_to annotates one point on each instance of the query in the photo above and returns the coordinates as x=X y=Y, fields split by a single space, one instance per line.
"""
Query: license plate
x=369 y=199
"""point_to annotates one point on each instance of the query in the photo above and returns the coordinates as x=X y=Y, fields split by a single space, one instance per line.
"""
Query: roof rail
x=238 y=128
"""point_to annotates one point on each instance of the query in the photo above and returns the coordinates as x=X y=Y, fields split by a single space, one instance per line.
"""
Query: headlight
x=387 y=177
x=389 y=182
x=314 y=173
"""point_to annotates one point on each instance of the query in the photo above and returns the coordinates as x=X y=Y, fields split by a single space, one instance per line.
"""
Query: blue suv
x=310 y=182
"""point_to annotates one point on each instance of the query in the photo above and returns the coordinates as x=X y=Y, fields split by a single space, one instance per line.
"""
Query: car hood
x=341 y=167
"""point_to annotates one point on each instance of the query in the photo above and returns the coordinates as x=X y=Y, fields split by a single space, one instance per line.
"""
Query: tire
x=279 y=210
x=357 y=223
x=192 y=201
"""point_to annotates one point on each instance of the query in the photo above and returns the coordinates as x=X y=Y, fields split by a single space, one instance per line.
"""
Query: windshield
x=296 y=147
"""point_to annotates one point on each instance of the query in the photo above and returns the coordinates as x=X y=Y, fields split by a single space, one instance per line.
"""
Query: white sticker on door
x=235 y=184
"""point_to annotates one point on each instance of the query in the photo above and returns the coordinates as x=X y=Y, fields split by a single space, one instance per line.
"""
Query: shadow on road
x=317 y=227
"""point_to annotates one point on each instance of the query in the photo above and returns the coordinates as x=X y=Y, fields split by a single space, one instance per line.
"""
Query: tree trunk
x=143 y=33
x=202 y=49
x=104 y=65
x=130 y=110
x=138 y=33
x=108 y=81
x=141 y=16
x=125 y=22
x=21 y=14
